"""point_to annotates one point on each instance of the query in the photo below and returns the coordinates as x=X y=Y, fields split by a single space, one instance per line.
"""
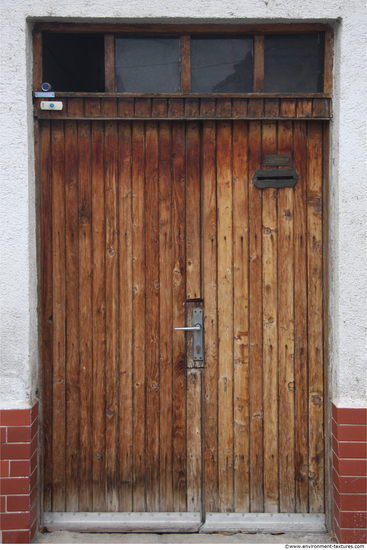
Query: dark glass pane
x=221 y=64
x=73 y=62
x=147 y=64
x=294 y=63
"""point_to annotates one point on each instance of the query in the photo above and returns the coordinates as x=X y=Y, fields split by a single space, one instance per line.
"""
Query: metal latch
x=197 y=328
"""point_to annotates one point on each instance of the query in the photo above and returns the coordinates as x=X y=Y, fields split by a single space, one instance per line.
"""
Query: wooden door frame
x=204 y=107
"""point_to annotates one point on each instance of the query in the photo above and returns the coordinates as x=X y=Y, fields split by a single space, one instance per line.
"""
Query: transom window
x=190 y=63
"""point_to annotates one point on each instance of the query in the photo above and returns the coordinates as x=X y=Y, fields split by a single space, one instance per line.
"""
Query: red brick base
x=18 y=487
x=350 y=475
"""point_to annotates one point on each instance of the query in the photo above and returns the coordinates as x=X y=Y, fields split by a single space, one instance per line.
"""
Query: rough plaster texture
x=348 y=199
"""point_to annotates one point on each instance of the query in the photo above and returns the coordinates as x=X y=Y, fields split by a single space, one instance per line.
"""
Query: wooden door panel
x=138 y=220
x=270 y=304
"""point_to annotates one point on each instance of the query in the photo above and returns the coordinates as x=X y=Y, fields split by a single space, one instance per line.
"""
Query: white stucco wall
x=348 y=198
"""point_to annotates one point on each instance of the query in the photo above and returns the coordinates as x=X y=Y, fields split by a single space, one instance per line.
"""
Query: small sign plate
x=44 y=94
x=277 y=160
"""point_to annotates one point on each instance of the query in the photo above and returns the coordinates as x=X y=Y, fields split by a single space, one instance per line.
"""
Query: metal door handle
x=196 y=327
x=198 y=336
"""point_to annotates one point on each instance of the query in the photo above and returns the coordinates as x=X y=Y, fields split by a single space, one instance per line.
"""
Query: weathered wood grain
x=185 y=63
x=85 y=317
x=241 y=316
x=271 y=107
x=139 y=326
x=72 y=315
x=109 y=107
x=209 y=197
x=46 y=281
x=92 y=107
x=179 y=297
x=109 y=62
x=304 y=108
x=166 y=317
x=300 y=317
x=315 y=313
x=143 y=107
x=259 y=51
x=225 y=316
x=99 y=318
x=126 y=316
x=75 y=107
x=328 y=65
x=286 y=331
x=194 y=435
x=256 y=343
x=288 y=108
x=152 y=315
x=270 y=331
x=193 y=212
x=112 y=313
x=159 y=108
x=175 y=108
x=58 y=316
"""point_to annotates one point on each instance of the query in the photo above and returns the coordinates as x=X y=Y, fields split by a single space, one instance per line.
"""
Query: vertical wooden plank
x=85 y=318
x=300 y=317
x=72 y=314
x=152 y=315
x=112 y=314
x=159 y=108
x=126 y=317
x=92 y=106
x=143 y=107
x=126 y=107
x=328 y=64
x=194 y=395
x=165 y=319
x=99 y=319
x=255 y=108
x=176 y=108
x=185 y=63
x=304 y=108
x=286 y=331
x=270 y=333
x=256 y=372
x=179 y=298
x=272 y=107
x=46 y=307
x=209 y=213
x=193 y=237
x=109 y=107
x=139 y=450
x=75 y=107
x=224 y=108
x=192 y=107
x=239 y=108
x=109 y=62
x=37 y=60
x=259 y=63
x=225 y=315
x=58 y=317
x=241 y=316
x=288 y=108
x=329 y=489
x=315 y=316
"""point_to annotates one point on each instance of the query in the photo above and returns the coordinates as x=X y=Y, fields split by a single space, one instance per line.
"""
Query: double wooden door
x=141 y=220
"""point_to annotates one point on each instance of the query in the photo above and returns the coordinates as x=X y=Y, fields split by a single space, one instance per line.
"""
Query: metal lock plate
x=198 y=335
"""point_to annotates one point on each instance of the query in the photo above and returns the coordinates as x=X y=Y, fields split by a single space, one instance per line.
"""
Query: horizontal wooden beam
x=229 y=28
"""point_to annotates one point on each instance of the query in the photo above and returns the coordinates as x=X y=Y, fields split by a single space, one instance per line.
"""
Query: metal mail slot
x=276 y=178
